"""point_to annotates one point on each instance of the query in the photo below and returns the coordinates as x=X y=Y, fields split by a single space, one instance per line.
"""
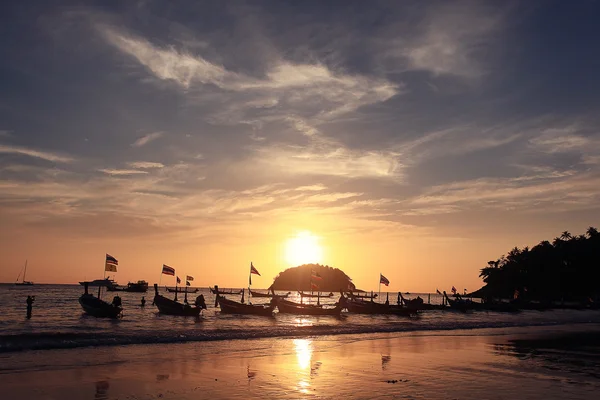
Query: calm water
x=58 y=321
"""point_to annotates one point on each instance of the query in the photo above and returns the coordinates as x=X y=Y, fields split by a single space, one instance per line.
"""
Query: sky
x=416 y=139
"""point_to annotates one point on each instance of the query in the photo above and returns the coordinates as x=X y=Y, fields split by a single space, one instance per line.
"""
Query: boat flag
x=168 y=270
x=438 y=291
x=384 y=280
x=453 y=290
x=252 y=271
x=314 y=286
x=315 y=275
x=111 y=263
x=178 y=280
x=189 y=278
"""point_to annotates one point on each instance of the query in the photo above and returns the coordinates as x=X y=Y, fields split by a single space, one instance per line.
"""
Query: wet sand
x=517 y=363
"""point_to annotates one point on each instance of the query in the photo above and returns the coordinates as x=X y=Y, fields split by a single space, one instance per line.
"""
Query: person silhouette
x=30 y=300
x=143 y=303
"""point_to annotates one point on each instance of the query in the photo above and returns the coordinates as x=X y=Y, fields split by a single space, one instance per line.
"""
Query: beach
x=555 y=362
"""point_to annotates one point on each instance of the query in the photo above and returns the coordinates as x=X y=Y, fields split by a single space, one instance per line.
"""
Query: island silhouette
x=315 y=277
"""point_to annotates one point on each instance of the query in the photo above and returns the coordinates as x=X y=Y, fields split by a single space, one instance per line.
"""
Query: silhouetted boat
x=99 y=308
x=136 y=287
x=461 y=304
x=233 y=307
x=315 y=296
x=352 y=295
x=23 y=282
x=370 y=307
x=181 y=290
x=173 y=307
x=290 y=307
x=106 y=282
x=259 y=294
x=226 y=291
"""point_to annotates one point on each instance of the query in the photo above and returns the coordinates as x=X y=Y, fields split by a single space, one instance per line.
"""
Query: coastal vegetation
x=568 y=268
x=299 y=278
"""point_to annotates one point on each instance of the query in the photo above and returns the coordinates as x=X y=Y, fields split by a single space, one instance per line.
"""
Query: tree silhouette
x=567 y=268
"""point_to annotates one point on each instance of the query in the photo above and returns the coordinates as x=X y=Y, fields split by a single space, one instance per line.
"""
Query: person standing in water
x=143 y=304
x=30 y=300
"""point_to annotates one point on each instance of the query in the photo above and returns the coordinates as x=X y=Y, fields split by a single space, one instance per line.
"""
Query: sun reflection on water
x=303 y=352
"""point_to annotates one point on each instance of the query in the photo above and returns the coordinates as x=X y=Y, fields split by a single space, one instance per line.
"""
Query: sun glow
x=304 y=248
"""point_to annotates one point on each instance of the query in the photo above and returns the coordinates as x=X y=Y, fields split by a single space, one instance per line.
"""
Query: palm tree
x=566 y=235
x=592 y=232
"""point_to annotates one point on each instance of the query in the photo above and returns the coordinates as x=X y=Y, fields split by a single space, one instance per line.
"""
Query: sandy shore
x=523 y=363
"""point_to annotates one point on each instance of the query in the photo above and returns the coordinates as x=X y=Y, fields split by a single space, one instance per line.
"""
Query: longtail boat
x=173 y=307
x=460 y=304
x=358 y=295
x=315 y=296
x=99 y=308
x=225 y=291
x=370 y=307
x=234 y=307
x=290 y=307
x=181 y=290
x=268 y=295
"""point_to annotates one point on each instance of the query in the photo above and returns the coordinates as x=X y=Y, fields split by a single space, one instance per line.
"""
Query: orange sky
x=408 y=138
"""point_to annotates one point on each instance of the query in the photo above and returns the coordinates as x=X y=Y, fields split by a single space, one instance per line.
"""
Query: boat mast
x=25 y=272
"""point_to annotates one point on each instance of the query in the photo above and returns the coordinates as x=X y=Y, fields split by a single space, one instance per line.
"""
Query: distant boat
x=23 y=282
x=225 y=291
x=233 y=307
x=357 y=306
x=136 y=287
x=106 y=282
x=259 y=294
x=310 y=295
x=181 y=290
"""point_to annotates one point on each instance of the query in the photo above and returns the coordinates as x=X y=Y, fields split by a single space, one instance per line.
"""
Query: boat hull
x=26 y=283
x=368 y=307
x=99 y=308
x=314 y=296
x=233 y=307
x=180 y=290
x=269 y=295
x=289 y=307
x=171 y=307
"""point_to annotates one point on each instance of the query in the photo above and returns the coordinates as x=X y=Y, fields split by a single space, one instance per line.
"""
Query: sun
x=304 y=248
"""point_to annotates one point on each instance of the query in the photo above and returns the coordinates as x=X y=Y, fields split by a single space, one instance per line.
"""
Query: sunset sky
x=415 y=139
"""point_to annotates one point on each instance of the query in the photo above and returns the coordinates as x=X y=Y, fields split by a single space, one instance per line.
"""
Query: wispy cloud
x=145 y=165
x=144 y=140
x=450 y=39
x=118 y=172
x=285 y=89
x=44 y=155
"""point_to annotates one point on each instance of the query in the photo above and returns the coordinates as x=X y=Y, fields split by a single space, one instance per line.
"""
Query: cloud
x=145 y=165
x=118 y=172
x=144 y=140
x=449 y=40
x=44 y=155
x=286 y=89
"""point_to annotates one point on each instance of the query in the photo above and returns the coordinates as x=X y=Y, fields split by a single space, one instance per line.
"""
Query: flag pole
x=379 y=295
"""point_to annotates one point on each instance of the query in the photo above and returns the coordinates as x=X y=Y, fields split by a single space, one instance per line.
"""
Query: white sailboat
x=23 y=282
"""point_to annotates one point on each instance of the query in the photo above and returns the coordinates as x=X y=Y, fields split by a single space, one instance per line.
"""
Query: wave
x=72 y=340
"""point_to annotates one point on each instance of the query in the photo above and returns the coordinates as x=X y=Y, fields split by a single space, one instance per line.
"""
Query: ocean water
x=58 y=321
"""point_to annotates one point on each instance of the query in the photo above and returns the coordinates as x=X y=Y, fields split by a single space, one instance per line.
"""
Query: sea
x=58 y=321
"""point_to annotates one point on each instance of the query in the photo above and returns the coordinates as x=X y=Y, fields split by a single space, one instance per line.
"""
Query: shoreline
x=388 y=365
x=42 y=341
